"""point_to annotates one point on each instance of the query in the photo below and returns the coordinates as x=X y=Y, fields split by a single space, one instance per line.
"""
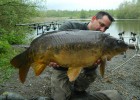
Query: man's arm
x=66 y=26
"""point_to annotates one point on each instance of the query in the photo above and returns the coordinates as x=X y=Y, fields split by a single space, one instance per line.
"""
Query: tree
x=129 y=10
x=13 y=12
x=82 y=14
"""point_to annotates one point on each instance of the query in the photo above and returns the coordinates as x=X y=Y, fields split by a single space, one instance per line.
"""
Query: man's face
x=100 y=24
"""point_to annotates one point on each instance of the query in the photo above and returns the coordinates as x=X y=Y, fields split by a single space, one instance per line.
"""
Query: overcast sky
x=83 y=4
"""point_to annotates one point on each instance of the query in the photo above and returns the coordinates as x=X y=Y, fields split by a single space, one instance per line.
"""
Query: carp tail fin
x=22 y=62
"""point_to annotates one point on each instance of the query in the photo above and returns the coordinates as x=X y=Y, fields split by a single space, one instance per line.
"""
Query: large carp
x=75 y=50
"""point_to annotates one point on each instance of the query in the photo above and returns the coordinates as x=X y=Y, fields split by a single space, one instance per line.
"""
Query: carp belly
x=75 y=61
x=82 y=58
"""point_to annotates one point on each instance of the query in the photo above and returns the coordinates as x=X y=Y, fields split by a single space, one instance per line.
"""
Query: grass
x=6 y=69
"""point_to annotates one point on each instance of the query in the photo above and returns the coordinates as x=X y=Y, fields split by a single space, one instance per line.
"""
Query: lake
x=124 y=25
x=127 y=26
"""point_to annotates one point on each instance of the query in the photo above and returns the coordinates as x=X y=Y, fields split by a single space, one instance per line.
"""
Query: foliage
x=83 y=14
x=129 y=10
x=5 y=67
x=4 y=46
x=12 y=12
x=69 y=14
x=6 y=53
x=14 y=37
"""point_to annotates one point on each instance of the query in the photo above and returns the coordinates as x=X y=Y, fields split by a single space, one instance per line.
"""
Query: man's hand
x=98 y=62
x=53 y=64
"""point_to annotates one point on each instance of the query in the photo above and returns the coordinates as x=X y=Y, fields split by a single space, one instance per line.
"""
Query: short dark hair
x=100 y=14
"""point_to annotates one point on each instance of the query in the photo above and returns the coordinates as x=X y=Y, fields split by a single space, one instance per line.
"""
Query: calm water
x=127 y=26
x=124 y=25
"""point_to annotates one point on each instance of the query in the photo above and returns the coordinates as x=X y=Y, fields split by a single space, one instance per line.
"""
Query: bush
x=14 y=38
x=5 y=67
x=4 y=46
x=2 y=31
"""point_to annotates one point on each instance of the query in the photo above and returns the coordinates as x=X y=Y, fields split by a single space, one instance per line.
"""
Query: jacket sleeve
x=66 y=26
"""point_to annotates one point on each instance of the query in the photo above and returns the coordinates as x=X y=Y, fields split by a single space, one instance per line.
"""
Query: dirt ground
x=125 y=79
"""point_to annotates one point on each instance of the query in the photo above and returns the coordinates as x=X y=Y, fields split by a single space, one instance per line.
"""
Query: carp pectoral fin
x=102 y=67
x=38 y=68
x=23 y=73
x=73 y=73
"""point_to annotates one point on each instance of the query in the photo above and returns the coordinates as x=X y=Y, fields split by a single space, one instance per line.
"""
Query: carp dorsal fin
x=102 y=67
x=38 y=68
x=73 y=73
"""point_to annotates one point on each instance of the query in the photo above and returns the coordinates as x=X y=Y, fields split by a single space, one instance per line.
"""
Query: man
x=62 y=89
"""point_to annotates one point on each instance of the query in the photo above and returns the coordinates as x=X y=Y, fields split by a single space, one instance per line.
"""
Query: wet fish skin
x=74 y=49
